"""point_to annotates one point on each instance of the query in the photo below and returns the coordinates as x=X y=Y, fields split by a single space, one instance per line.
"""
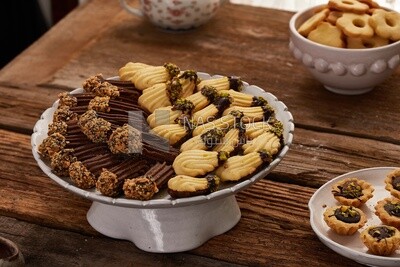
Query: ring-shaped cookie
x=355 y=25
x=386 y=24
x=348 y=6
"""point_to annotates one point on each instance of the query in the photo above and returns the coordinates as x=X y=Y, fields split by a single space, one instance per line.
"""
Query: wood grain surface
x=334 y=134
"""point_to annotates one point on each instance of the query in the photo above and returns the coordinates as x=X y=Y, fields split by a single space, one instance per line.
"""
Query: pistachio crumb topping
x=350 y=189
x=212 y=137
x=172 y=69
x=381 y=232
x=174 y=89
x=210 y=92
x=393 y=208
x=347 y=214
x=191 y=75
x=186 y=106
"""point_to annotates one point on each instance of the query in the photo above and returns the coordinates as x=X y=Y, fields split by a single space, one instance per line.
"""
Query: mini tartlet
x=344 y=220
x=352 y=192
x=381 y=240
x=392 y=182
x=388 y=210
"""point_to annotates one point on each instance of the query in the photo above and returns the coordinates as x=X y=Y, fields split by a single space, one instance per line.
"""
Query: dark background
x=22 y=22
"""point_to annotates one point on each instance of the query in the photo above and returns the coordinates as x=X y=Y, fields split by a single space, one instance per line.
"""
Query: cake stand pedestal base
x=166 y=230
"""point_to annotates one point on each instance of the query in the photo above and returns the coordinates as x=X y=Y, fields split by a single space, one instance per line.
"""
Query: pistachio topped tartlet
x=381 y=239
x=352 y=192
x=388 y=210
x=392 y=182
x=344 y=220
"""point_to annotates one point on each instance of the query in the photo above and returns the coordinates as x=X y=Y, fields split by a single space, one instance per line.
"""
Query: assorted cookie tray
x=88 y=140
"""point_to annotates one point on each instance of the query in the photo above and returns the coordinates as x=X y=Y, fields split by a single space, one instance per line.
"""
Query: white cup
x=175 y=14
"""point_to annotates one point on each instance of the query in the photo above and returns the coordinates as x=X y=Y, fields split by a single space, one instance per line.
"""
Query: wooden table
x=334 y=134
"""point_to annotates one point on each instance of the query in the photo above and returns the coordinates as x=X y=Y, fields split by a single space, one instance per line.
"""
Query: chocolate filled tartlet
x=392 y=182
x=344 y=220
x=381 y=240
x=388 y=210
x=352 y=191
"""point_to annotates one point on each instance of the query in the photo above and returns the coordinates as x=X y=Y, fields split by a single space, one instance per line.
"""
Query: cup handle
x=132 y=10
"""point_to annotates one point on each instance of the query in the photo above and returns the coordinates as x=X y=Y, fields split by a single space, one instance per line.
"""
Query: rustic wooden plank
x=43 y=246
x=20 y=108
x=60 y=44
x=29 y=195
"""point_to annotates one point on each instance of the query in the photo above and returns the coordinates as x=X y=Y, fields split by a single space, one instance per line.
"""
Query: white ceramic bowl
x=341 y=70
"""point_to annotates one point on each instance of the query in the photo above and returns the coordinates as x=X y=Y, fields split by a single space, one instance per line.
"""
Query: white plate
x=163 y=200
x=351 y=246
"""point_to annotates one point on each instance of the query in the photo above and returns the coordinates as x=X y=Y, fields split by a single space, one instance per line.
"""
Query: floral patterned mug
x=175 y=14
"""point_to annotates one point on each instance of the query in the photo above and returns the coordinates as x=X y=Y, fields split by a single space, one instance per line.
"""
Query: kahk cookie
x=327 y=34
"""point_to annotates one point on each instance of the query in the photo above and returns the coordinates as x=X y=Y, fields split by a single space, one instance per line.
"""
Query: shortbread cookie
x=240 y=167
x=174 y=133
x=202 y=98
x=223 y=83
x=313 y=22
x=348 y=6
x=212 y=111
x=362 y=43
x=196 y=162
x=149 y=76
x=344 y=220
x=267 y=141
x=257 y=128
x=352 y=191
x=392 y=182
x=327 y=34
x=252 y=114
x=223 y=123
x=205 y=141
x=187 y=186
x=388 y=210
x=127 y=72
x=381 y=240
x=333 y=16
x=386 y=24
x=232 y=140
x=154 y=97
x=355 y=25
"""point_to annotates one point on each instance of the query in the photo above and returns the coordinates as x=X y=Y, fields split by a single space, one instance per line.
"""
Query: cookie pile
x=348 y=217
x=354 y=24
x=158 y=127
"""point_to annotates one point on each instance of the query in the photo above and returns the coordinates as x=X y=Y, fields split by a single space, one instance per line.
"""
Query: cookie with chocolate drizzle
x=344 y=220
